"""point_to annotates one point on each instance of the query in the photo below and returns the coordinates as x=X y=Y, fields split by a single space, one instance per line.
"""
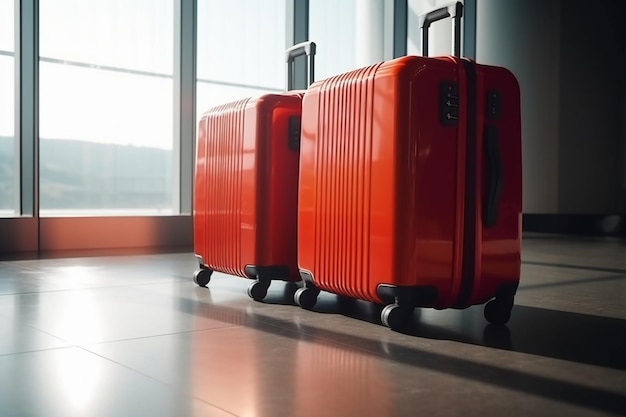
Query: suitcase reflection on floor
x=258 y=370
x=355 y=383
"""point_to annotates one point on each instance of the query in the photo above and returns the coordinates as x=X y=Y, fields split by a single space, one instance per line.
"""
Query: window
x=349 y=34
x=440 y=32
x=106 y=107
x=8 y=178
x=241 y=46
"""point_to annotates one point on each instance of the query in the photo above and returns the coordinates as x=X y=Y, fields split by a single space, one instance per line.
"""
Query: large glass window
x=348 y=34
x=106 y=107
x=7 y=109
x=440 y=38
x=241 y=46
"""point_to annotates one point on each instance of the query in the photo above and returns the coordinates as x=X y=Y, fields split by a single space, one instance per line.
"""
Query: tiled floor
x=133 y=336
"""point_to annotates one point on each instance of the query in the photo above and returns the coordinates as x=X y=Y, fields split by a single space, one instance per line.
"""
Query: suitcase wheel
x=395 y=316
x=498 y=311
x=202 y=276
x=306 y=297
x=257 y=290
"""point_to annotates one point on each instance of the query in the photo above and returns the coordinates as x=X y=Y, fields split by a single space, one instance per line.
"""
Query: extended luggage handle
x=304 y=48
x=453 y=10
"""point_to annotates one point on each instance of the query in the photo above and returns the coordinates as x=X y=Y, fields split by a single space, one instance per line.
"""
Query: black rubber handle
x=494 y=176
x=453 y=10
x=307 y=48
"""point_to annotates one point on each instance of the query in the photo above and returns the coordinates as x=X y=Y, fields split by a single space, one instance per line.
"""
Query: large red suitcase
x=410 y=185
x=246 y=186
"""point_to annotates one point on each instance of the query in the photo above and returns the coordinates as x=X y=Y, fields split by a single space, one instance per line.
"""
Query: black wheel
x=257 y=290
x=498 y=312
x=395 y=316
x=305 y=297
x=202 y=277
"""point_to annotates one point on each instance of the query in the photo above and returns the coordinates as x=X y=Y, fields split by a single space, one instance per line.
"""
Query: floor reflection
x=134 y=336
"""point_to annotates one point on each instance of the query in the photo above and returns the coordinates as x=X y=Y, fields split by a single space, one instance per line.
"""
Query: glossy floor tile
x=133 y=336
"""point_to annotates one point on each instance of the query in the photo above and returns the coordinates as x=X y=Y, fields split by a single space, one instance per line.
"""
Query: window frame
x=28 y=233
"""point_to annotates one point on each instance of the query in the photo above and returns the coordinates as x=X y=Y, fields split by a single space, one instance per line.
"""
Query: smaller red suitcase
x=246 y=186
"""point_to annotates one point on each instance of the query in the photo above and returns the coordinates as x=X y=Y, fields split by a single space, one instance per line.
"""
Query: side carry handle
x=494 y=176
x=453 y=10
x=304 y=48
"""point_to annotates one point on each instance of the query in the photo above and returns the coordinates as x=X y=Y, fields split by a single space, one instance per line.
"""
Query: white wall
x=569 y=59
x=440 y=39
x=369 y=32
x=518 y=35
x=591 y=109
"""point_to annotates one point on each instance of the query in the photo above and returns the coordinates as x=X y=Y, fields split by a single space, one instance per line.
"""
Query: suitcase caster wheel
x=395 y=317
x=498 y=312
x=257 y=290
x=202 y=277
x=305 y=297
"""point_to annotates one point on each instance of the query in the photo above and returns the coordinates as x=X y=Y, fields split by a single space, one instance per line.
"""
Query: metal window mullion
x=26 y=107
x=469 y=29
x=400 y=32
x=184 y=102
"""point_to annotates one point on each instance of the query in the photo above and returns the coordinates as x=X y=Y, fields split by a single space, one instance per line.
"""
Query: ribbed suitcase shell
x=382 y=194
x=245 y=188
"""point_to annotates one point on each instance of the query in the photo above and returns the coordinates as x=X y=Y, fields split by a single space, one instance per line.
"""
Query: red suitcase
x=246 y=186
x=410 y=185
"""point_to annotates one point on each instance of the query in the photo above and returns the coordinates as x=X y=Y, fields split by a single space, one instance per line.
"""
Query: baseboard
x=92 y=236
x=576 y=224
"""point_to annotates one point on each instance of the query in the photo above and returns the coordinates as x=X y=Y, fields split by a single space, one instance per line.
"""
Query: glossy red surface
x=245 y=188
x=498 y=247
x=382 y=182
x=379 y=193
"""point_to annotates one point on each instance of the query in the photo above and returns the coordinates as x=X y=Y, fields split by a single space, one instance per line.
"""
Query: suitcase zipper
x=469 y=221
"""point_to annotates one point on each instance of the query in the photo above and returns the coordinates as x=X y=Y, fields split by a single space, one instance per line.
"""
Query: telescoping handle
x=304 y=48
x=453 y=10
